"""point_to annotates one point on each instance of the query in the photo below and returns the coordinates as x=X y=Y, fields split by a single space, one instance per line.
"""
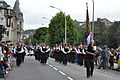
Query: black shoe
x=91 y=75
x=88 y=76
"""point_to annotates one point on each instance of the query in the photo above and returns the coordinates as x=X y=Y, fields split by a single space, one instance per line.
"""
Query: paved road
x=33 y=70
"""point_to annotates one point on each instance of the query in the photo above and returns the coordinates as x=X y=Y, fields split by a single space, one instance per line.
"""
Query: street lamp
x=65 y=23
x=93 y=21
x=45 y=18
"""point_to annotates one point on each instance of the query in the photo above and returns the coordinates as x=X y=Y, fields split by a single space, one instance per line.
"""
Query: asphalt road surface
x=33 y=70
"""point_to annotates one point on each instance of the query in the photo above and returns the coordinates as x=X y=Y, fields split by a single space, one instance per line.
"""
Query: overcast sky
x=34 y=10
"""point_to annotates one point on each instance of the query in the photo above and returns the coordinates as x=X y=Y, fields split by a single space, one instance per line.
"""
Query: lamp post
x=45 y=18
x=93 y=21
x=65 y=23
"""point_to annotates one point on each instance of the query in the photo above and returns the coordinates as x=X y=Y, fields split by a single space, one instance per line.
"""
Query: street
x=33 y=70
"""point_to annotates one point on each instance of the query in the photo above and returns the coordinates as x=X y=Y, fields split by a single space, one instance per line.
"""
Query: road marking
x=55 y=68
x=62 y=73
x=50 y=65
x=46 y=63
x=70 y=78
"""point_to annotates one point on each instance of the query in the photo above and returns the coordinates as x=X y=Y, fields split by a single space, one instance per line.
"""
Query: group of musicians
x=41 y=53
x=64 y=53
x=84 y=55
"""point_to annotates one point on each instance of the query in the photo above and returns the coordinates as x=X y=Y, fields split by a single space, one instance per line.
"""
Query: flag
x=88 y=36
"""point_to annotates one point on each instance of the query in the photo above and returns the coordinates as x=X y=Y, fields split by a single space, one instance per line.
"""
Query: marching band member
x=65 y=50
x=36 y=52
x=56 y=54
x=73 y=50
x=19 y=50
x=90 y=59
x=44 y=54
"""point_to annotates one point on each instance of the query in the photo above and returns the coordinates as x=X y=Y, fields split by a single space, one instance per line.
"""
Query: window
x=20 y=23
x=7 y=33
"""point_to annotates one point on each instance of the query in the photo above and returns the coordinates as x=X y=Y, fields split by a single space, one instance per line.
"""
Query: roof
x=1 y=0
x=5 y=5
x=16 y=8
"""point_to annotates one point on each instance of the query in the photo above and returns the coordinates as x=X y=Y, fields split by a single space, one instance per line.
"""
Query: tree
x=30 y=40
x=81 y=34
x=41 y=34
x=114 y=35
x=103 y=33
x=57 y=30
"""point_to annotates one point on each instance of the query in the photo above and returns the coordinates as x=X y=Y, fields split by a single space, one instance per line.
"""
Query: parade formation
x=86 y=56
x=65 y=45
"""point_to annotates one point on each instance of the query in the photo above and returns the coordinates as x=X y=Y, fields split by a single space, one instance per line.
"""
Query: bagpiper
x=65 y=50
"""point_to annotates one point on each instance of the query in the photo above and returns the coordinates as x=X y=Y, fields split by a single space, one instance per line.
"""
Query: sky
x=34 y=10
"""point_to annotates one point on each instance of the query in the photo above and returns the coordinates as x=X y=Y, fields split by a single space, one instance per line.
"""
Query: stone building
x=17 y=23
x=5 y=18
x=12 y=20
x=96 y=27
x=79 y=23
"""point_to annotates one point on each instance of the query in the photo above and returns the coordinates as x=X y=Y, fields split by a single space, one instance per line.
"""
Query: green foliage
x=109 y=35
x=30 y=40
x=40 y=34
x=27 y=41
x=103 y=33
x=72 y=32
x=114 y=35
x=57 y=30
x=81 y=34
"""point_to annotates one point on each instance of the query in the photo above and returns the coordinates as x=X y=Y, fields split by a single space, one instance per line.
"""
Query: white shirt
x=88 y=40
x=22 y=50
x=64 y=50
x=1 y=54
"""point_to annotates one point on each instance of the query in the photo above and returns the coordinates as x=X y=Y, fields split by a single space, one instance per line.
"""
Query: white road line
x=62 y=73
x=50 y=65
x=70 y=78
x=55 y=68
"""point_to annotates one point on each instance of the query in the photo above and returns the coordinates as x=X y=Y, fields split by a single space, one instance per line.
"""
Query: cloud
x=34 y=10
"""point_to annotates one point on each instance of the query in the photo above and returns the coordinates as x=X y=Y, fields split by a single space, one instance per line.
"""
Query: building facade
x=12 y=21
x=97 y=28
x=5 y=18
x=17 y=21
x=106 y=21
x=78 y=23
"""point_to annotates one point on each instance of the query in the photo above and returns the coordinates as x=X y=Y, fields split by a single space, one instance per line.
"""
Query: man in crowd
x=90 y=59
x=19 y=54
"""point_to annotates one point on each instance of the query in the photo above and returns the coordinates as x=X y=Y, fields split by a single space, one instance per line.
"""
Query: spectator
x=104 y=59
x=118 y=59
x=111 y=61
